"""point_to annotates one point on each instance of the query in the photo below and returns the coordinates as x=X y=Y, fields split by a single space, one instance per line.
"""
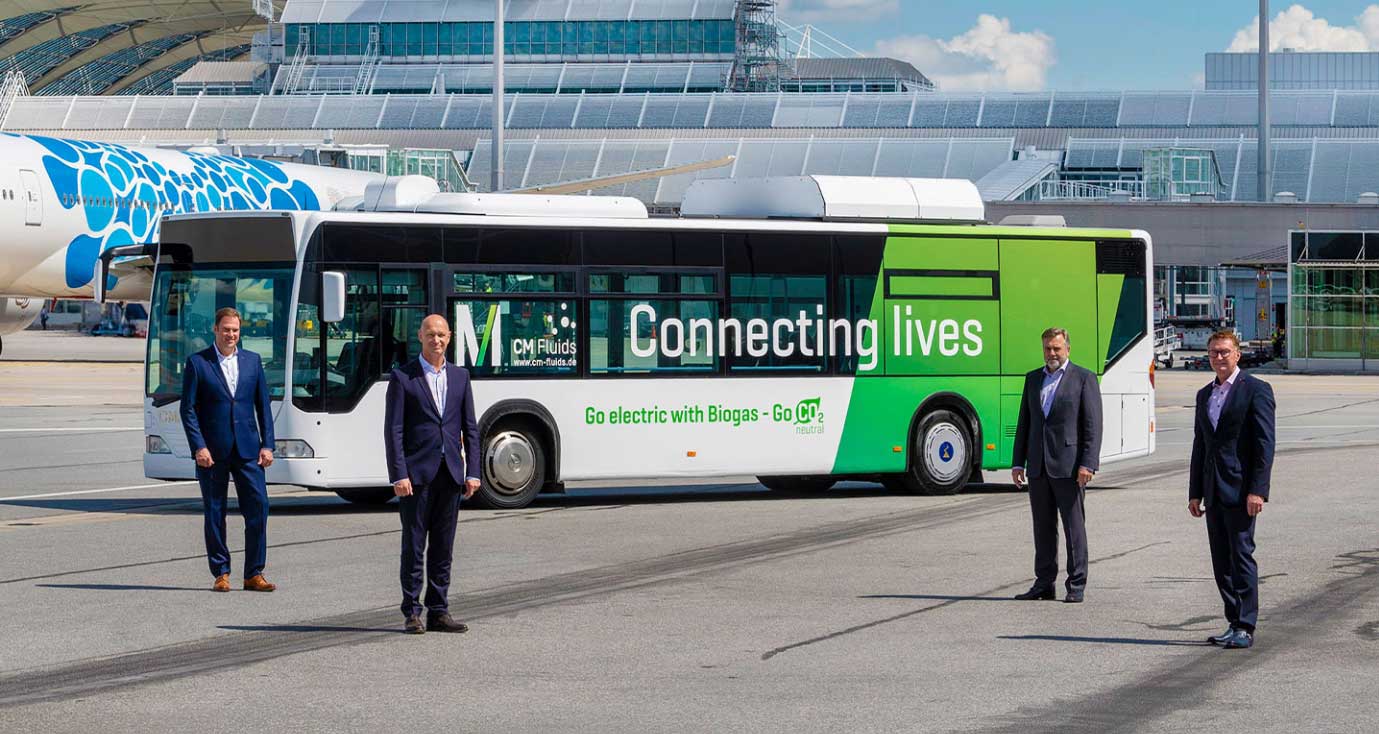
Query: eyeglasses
x=1221 y=352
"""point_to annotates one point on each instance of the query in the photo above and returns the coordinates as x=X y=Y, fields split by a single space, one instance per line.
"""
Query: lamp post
x=496 y=168
x=1265 y=157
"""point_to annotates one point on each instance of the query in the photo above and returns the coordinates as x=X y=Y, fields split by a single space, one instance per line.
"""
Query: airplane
x=64 y=201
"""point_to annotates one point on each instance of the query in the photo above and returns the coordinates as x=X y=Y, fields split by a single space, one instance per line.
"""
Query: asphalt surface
x=719 y=607
x=69 y=346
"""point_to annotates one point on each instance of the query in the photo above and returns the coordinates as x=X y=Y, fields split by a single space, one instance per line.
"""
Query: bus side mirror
x=332 y=297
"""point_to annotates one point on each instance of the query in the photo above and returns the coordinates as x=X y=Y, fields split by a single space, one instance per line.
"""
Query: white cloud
x=1300 y=29
x=988 y=56
x=814 y=11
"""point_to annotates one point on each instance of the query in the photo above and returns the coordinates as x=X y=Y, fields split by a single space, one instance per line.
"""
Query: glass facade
x=1173 y=174
x=563 y=39
x=1333 y=300
x=1290 y=70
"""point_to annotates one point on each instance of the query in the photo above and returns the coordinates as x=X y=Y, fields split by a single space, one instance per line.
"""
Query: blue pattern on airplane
x=106 y=179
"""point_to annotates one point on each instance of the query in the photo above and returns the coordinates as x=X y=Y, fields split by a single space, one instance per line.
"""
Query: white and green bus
x=801 y=330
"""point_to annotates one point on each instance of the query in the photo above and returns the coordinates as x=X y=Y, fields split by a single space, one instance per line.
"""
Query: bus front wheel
x=798 y=485
x=941 y=458
x=514 y=467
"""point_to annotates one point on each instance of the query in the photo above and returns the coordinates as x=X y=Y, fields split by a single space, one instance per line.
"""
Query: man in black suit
x=1232 y=458
x=429 y=408
x=1058 y=449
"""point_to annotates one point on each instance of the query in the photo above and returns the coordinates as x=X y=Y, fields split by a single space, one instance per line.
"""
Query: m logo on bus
x=472 y=346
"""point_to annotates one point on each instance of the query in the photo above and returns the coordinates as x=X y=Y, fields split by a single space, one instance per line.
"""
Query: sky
x=1076 y=45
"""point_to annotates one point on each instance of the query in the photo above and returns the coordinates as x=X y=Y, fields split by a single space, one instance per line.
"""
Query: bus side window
x=856 y=260
x=778 y=283
x=352 y=346
x=1121 y=280
x=405 y=304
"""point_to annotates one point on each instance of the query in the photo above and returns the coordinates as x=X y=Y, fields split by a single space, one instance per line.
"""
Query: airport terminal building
x=602 y=87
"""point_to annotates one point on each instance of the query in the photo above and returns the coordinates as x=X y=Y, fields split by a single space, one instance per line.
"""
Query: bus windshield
x=185 y=299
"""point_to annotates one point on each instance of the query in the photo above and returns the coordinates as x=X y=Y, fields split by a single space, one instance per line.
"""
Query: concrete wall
x=1203 y=234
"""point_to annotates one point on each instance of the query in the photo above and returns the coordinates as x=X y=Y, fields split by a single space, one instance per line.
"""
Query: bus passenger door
x=941 y=325
x=1044 y=283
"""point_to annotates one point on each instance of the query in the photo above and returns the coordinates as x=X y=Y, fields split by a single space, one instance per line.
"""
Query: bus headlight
x=292 y=448
x=156 y=445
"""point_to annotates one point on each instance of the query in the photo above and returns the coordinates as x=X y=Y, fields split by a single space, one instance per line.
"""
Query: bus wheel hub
x=945 y=452
x=510 y=461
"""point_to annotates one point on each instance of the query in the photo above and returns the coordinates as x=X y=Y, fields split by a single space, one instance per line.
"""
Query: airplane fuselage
x=63 y=202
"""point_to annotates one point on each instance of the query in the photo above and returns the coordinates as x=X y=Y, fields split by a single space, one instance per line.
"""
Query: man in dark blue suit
x=1058 y=450
x=229 y=425
x=430 y=407
x=1232 y=458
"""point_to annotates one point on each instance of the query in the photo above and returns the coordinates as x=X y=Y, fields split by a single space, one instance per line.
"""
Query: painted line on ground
x=63 y=430
x=93 y=491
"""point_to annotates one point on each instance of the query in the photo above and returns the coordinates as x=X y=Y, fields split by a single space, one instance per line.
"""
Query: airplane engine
x=17 y=313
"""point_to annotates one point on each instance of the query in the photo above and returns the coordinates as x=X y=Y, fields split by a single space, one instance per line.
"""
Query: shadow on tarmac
x=937 y=597
x=307 y=628
x=124 y=587
x=1108 y=640
x=327 y=503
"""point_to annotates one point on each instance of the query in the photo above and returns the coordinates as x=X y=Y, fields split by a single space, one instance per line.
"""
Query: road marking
x=57 y=430
x=93 y=491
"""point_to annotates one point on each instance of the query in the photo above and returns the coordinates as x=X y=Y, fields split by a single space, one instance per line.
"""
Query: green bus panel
x=1044 y=284
x=938 y=308
x=942 y=337
x=879 y=416
x=940 y=253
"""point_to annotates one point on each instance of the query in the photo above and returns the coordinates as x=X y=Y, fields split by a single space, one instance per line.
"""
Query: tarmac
x=673 y=607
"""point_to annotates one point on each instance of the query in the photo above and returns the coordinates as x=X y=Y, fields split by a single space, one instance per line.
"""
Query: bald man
x=429 y=408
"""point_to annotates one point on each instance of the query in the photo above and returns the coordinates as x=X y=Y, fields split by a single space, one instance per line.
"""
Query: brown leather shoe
x=414 y=625
x=445 y=623
x=258 y=583
x=222 y=583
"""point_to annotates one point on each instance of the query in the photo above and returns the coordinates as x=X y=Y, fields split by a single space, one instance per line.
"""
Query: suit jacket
x=415 y=432
x=236 y=425
x=1070 y=437
x=1236 y=458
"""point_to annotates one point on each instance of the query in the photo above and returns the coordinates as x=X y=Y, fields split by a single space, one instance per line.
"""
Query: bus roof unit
x=421 y=194
x=838 y=198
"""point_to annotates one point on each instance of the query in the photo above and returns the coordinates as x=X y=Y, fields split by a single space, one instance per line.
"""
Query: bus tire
x=798 y=484
x=941 y=457
x=375 y=496
x=512 y=466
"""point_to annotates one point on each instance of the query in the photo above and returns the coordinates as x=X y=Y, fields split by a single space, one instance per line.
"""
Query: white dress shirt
x=229 y=366
x=1050 y=387
x=435 y=380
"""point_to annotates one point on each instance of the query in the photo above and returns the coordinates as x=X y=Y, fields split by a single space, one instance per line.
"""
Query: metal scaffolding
x=759 y=59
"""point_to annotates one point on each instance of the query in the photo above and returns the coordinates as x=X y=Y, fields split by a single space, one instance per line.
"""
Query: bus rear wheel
x=941 y=458
x=369 y=496
x=798 y=484
x=513 y=467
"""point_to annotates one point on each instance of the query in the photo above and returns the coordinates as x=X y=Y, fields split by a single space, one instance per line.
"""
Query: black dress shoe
x=1036 y=594
x=445 y=623
x=1073 y=597
x=1240 y=640
x=1221 y=638
x=414 y=625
